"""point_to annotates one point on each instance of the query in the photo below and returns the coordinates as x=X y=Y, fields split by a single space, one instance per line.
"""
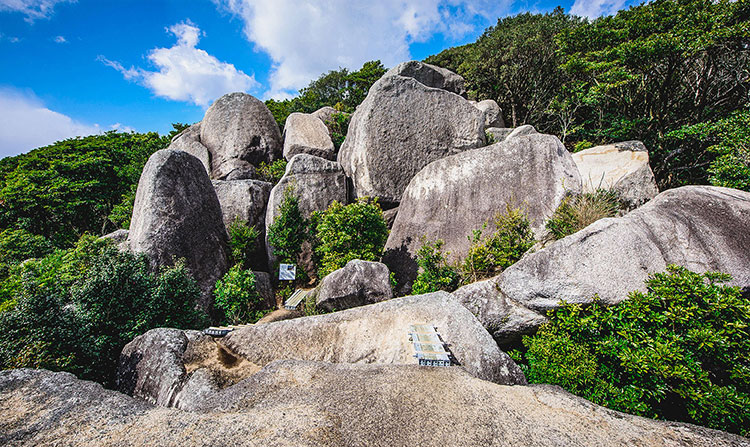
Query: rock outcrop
x=430 y=75
x=401 y=127
x=307 y=134
x=316 y=182
x=295 y=403
x=702 y=228
x=240 y=133
x=189 y=140
x=378 y=333
x=493 y=114
x=358 y=283
x=177 y=215
x=622 y=167
x=453 y=196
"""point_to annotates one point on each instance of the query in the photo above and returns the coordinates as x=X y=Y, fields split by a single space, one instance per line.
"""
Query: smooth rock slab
x=293 y=403
x=307 y=134
x=378 y=333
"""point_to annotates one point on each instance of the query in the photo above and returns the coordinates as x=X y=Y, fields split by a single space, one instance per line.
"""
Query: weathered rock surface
x=325 y=113
x=358 y=283
x=520 y=131
x=493 y=114
x=453 y=196
x=430 y=75
x=294 y=403
x=189 y=140
x=177 y=215
x=378 y=333
x=265 y=289
x=401 y=127
x=306 y=134
x=316 y=181
x=702 y=228
x=390 y=217
x=118 y=236
x=622 y=167
x=499 y=133
x=240 y=133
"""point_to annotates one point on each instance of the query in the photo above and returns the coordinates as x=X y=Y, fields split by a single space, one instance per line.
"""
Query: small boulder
x=379 y=333
x=401 y=127
x=357 y=284
x=430 y=75
x=390 y=217
x=622 y=167
x=493 y=114
x=454 y=196
x=177 y=215
x=521 y=131
x=325 y=114
x=189 y=140
x=240 y=133
x=307 y=134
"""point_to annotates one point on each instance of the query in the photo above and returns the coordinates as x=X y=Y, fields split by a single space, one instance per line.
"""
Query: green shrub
x=243 y=242
x=17 y=245
x=489 y=138
x=491 y=255
x=434 y=272
x=289 y=230
x=273 y=172
x=582 y=146
x=577 y=212
x=679 y=351
x=338 y=126
x=347 y=232
x=237 y=297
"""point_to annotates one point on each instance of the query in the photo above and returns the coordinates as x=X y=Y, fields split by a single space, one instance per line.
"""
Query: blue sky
x=80 y=67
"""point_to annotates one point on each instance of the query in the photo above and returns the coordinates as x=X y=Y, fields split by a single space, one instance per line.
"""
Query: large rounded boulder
x=402 y=126
x=176 y=216
x=454 y=196
x=240 y=133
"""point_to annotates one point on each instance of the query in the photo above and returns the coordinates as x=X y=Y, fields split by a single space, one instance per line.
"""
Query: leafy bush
x=289 y=230
x=582 y=146
x=577 y=212
x=347 y=232
x=679 y=351
x=338 y=127
x=273 y=172
x=491 y=255
x=434 y=272
x=237 y=297
x=75 y=309
x=243 y=242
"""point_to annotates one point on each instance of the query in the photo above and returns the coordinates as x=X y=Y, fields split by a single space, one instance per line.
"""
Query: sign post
x=287 y=272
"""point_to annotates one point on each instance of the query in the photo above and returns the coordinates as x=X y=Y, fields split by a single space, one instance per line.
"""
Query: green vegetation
x=579 y=211
x=491 y=255
x=435 y=273
x=680 y=351
x=75 y=309
x=289 y=230
x=237 y=297
x=243 y=242
x=647 y=73
x=273 y=172
x=337 y=127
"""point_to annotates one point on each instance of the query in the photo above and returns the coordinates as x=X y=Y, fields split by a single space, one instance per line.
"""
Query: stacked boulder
x=307 y=134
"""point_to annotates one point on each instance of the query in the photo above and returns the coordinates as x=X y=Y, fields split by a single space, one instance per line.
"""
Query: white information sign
x=287 y=272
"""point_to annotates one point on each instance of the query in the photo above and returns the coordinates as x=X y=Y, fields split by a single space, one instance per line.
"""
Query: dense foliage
x=490 y=255
x=237 y=297
x=576 y=212
x=435 y=273
x=75 y=309
x=68 y=188
x=346 y=232
x=679 y=351
x=272 y=172
x=644 y=73
x=289 y=230
x=243 y=243
x=340 y=89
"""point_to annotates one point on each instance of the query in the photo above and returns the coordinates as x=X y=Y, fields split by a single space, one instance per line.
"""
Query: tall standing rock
x=402 y=126
x=177 y=215
x=307 y=134
x=240 y=133
x=451 y=197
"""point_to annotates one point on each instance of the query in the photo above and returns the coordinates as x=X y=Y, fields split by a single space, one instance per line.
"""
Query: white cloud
x=32 y=9
x=305 y=38
x=60 y=39
x=25 y=124
x=186 y=73
x=596 y=8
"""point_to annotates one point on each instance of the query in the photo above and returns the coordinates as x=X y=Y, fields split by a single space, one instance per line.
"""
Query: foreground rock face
x=622 y=167
x=306 y=134
x=430 y=75
x=189 y=140
x=401 y=127
x=240 y=133
x=451 y=197
x=294 y=403
x=702 y=228
x=177 y=215
x=378 y=333
x=358 y=283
